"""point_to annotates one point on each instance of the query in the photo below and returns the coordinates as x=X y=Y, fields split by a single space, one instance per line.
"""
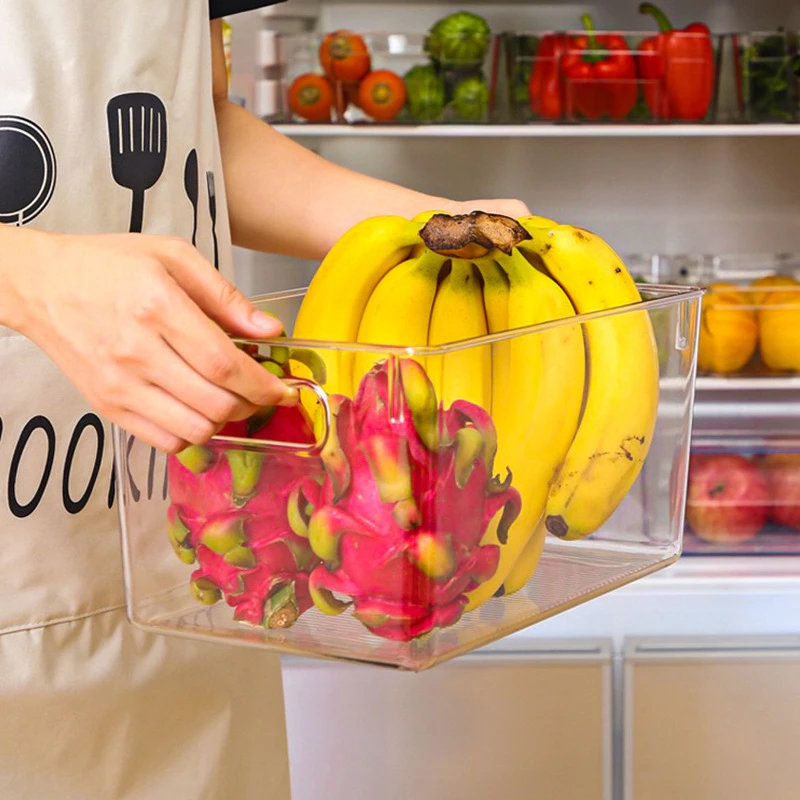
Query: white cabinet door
x=713 y=720
x=516 y=726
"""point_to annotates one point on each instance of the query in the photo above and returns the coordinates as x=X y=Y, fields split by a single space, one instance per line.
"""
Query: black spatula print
x=137 y=132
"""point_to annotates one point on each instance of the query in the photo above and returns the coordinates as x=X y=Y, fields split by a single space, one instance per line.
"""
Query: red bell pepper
x=678 y=68
x=599 y=74
x=544 y=87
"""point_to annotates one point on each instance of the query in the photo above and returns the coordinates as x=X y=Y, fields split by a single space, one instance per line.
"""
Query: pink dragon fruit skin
x=402 y=539
x=241 y=516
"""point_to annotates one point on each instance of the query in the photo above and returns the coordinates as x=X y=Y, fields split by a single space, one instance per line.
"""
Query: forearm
x=21 y=252
x=285 y=199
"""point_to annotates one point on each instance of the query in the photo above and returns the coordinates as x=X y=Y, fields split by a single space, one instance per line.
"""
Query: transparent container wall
x=549 y=78
x=743 y=496
x=411 y=80
x=396 y=516
x=751 y=311
x=762 y=70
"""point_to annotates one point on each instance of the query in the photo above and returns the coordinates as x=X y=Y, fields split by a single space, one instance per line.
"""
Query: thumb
x=218 y=297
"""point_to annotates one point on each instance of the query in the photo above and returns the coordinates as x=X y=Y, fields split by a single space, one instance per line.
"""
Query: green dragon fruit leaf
x=480 y=420
x=196 y=458
x=332 y=456
x=278 y=353
x=280 y=608
x=224 y=535
x=325 y=600
x=245 y=471
x=469 y=447
x=274 y=368
x=420 y=395
x=205 y=591
x=324 y=534
x=298 y=512
x=240 y=556
x=176 y=528
x=433 y=555
x=388 y=462
x=406 y=514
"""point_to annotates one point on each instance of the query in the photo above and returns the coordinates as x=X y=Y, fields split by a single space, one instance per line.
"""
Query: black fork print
x=137 y=131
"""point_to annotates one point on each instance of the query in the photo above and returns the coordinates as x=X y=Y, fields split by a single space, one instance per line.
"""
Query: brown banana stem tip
x=472 y=235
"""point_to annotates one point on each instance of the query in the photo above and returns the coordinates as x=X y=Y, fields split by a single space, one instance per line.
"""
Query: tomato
x=311 y=97
x=344 y=56
x=382 y=95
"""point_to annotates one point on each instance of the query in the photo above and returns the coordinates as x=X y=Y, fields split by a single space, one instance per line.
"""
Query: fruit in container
x=461 y=38
x=544 y=84
x=407 y=500
x=761 y=287
x=426 y=93
x=311 y=97
x=728 y=329
x=470 y=101
x=779 y=329
x=344 y=56
x=241 y=514
x=728 y=498
x=782 y=471
x=382 y=95
x=574 y=438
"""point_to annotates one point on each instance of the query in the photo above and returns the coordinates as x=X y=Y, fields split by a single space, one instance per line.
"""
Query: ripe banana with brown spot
x=399 y=310
x=537 y=392
x=619 y=417
x=340 y=289
x=458 y=314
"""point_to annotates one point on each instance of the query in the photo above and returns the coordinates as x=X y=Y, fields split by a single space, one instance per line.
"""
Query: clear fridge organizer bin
x=744 y=495
x=461 y=92
x=747 y=329
x=522 y=55
x=643 y=535
x=762 y=77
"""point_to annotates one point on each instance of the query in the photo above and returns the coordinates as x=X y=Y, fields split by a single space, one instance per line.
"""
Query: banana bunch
x=574 y=402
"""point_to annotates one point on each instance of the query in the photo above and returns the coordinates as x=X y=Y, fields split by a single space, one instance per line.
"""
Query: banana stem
x=471 y=236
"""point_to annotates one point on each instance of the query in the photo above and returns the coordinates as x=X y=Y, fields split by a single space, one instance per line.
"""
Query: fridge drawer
x=510 y=723
x=743 y=496
x=708 y=719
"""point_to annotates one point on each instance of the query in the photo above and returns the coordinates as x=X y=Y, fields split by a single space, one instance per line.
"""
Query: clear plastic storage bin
x=550 y=78
x=762 y=71
x=743 y=496
x=374 y=529
x=407 y=82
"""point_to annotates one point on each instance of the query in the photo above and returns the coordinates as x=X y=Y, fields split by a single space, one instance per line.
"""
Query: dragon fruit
x=241 y=515
x=407 y=498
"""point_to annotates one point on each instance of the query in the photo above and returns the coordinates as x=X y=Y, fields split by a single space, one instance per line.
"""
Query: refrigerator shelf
x=537 y=131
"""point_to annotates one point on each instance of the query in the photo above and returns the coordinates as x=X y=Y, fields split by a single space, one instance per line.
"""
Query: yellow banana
x=399 y=310
x=339 y=292
x=526 y=564
x=458 y=314
x=621 y=404
x=536 y=410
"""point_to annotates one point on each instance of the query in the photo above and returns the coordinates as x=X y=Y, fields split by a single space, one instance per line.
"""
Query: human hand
x=136 y=323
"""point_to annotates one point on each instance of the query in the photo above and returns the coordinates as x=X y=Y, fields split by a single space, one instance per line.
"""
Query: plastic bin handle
x=293 y=447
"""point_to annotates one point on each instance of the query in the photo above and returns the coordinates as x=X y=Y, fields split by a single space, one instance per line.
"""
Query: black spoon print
x=212 y=210
x=137 y=130
x=191 y=184
x=27 y=170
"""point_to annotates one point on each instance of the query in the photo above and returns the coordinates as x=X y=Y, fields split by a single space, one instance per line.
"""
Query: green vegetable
x=460 y=38
x=425 y=90
x=471 y=100
x=766 y=78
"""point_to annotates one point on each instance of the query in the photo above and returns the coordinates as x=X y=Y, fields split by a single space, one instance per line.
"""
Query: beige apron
x=101 y=104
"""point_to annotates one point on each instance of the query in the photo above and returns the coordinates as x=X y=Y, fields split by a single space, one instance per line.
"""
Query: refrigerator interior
x=727 y=192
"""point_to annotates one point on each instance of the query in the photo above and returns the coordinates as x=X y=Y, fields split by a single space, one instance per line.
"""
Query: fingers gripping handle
x=300 y=384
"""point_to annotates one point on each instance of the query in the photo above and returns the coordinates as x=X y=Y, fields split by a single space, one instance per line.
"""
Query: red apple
x=728 y=498
x=782 y=471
